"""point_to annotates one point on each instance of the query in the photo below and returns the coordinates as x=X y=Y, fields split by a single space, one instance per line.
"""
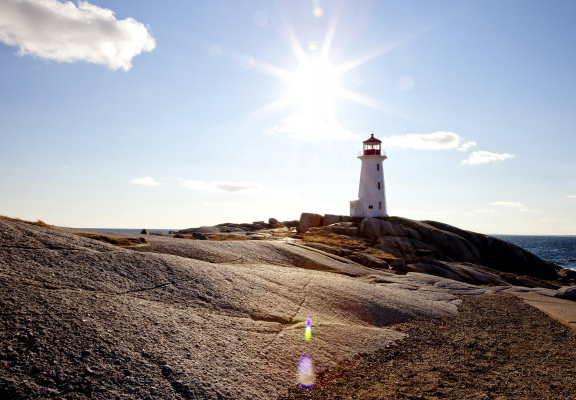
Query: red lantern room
x=372 y=146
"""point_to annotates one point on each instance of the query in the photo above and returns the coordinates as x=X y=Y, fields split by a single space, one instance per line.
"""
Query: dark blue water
x=559 y=250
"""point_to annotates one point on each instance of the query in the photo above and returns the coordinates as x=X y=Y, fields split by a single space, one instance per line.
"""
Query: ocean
x=559 y=250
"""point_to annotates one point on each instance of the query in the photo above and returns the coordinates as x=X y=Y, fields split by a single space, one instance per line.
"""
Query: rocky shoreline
x=402 y=245
x=84 y=315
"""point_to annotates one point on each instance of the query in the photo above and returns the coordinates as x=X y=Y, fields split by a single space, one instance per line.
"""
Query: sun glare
x=314 y=86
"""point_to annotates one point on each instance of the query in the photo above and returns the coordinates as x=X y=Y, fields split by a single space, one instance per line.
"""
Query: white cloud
x=424 y=141
x=65 y=32
x=509 y=204
x=484 y=211
x=483 y=157
x=311 y=128
x=147 y=181
x=230 y=187
x=466 y=146
x=571 y=197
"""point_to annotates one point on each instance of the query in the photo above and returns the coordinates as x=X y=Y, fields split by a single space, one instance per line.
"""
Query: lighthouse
x=371 y=194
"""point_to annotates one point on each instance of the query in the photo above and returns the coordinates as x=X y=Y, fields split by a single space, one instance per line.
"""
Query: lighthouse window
x=377 y=167
x=378 y=185
x=379 y=205
x=370 y=207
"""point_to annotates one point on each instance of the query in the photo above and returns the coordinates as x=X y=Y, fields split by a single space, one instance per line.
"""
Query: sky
x=148 y=114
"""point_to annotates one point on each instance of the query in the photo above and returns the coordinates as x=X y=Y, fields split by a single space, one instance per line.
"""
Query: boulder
x=376 y=227
x=503 y=256
x=454 y=246
x=260 y=225
x=566 y=292
x=403 y=246
x=272 y=221
x=344 y=228
x=199 y=236
x=309 y=220
x=144 y=232
x=412 y=236
x=246 y=227
x=433 y=269
x=330 y=219
x=291 y=224
x=208 y=230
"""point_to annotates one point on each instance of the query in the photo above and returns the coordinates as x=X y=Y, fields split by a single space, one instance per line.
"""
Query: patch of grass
x=37 y=223
x=115 y=240
x=180 y=236
x=333 y=239
x=157 y=234
x=379 y=254
x=227 y=237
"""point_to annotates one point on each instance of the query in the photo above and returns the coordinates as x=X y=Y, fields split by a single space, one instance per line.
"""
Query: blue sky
x=147 y=114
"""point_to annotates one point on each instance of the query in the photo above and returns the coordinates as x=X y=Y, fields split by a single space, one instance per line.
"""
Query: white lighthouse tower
x=371 y=195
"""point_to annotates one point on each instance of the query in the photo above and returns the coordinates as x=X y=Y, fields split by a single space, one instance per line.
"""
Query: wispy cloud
x=424 y=141
x=230 y=187
x=466 y=146
x=571 y=197
x=509 y=204
x=483 y=157
x=147 y=181
x=312 y=128
x=484 y=211
x=65 y=32
x=443 y=141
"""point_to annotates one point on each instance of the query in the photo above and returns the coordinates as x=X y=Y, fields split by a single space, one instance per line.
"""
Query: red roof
x=372 y=139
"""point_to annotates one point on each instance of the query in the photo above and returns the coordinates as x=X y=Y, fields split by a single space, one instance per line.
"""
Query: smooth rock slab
x=566 y=292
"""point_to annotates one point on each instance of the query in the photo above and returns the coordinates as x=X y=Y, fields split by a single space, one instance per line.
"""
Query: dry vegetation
x=116 y=241
x=37 y=223
x=230 y=237
x=333 y=239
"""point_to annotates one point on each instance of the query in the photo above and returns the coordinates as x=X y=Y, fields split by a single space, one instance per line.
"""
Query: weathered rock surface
x=443 y=250
x=84 y=319
x=566 y=292
x=309 y=220
x=234 y=228
x=455 y=252
x=344 y=228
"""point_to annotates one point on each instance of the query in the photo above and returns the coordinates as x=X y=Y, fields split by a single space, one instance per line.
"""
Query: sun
x=314 y=86
x=312 y=89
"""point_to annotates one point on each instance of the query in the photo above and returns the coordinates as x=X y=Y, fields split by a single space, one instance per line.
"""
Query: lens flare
x=317 y=9
x=313 y=46
x=305 y=372
x=308 y=331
